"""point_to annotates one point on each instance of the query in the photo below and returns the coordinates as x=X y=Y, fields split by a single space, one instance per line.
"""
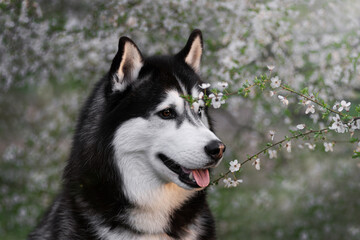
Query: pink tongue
x=201 y=176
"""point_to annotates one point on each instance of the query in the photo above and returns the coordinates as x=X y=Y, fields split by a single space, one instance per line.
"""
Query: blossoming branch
x=340 y=120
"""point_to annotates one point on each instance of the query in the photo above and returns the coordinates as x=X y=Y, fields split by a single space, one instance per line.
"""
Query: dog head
x=159 y=136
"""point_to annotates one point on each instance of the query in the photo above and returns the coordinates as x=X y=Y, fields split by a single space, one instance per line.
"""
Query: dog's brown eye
x=167 y=113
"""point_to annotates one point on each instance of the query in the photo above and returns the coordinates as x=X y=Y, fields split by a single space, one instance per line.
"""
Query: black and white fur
x=123 y=178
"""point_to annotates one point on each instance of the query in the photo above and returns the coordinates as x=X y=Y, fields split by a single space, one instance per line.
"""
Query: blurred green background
x=52 y=52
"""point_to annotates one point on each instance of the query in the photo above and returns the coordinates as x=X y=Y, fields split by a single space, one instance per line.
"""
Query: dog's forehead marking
x=182 y=87
x=189 y=115
x=173 y=98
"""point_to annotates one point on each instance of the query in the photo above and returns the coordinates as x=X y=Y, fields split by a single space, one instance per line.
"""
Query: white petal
x=300 y=126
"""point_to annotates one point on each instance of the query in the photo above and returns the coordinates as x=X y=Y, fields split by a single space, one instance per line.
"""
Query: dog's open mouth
x=193 y=177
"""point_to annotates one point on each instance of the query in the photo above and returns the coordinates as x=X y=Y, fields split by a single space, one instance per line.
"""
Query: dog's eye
x=167 y=113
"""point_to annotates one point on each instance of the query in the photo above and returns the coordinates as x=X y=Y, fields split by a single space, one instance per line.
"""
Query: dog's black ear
x=192 y=51
x=126 y=64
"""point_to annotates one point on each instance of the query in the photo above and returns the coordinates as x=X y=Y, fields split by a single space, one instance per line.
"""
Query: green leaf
x=357 y=108
x=240 y=91
x=347 y=118
x=318 y=135
x=293 y=132
x=356 y=155
x=188 y=98
x=305 y=91
x=214 y=91
x=325 y=115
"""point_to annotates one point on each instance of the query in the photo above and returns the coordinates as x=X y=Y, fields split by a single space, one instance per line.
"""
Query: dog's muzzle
x=196 y=177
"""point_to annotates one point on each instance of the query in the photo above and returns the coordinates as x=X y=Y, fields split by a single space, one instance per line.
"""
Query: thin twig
x=268 y=147
x=310 y=99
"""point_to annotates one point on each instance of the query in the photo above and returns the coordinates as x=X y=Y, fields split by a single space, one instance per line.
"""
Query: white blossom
x=300 y=126
x=200 y=99
x=231 y=183
x=234 y=166
x=201 y=95
x=216 y=100
x=328 y=147
x=270 y=67
x=353 y=127
x=228 y=182
x=272 y=154
x=272 y=93
x=236 y=182
x=311 y=146
x=195 y=106
x=222 y=85
x=310 y=109
x=275 y=82
x=283 y=100
x=344 y=105
x=205 y=85
x=288 y=146
x=336 y=105
x=338 y=126
x=307 y=102
x=256 y=163
x=272 y=134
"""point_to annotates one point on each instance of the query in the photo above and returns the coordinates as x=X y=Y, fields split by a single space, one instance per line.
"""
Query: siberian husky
x=141 y=154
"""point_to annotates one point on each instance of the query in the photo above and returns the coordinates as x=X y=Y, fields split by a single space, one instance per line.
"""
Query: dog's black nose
x=215 y=149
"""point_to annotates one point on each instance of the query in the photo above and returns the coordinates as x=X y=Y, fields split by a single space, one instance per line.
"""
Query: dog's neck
x=153 y=199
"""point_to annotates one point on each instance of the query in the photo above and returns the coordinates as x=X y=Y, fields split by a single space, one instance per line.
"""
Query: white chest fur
x=153 y=215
